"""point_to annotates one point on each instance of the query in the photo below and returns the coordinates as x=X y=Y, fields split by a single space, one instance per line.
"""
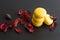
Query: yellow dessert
x=37 y=19
x=40 y=12
x=39 y=16
x=37 y=23
x=48 y=20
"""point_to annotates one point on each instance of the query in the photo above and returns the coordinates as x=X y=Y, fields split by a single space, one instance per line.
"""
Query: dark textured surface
x=12 y=6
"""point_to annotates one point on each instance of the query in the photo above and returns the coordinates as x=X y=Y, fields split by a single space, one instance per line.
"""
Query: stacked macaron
x=39 y=16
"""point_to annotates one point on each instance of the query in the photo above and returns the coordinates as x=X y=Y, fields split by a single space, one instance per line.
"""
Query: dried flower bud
x=20 y=12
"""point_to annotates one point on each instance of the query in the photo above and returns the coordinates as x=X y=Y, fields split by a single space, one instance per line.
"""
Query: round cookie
x=37 y=19
x=40 y=12
x=48 y=20
x=38 y=24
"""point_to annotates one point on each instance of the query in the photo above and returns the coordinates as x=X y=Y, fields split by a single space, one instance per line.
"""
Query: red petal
x=2 y=26
x=29 y=27
x=6 y=29
x=31 y=30
x=52 y=27
x=26 y=15
x=16 y=22
x=55 y=23
x=54 y=17
x=18 y=30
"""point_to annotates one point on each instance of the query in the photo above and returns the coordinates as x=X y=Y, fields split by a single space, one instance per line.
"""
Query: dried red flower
x=29 y=27
x=16 y=22
x=7 y=26
x=53 y=25
x=26 y=15
x=2 y=26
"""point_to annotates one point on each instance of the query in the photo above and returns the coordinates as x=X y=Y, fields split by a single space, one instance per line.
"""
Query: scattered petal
x=2 y=26
x=18 y=30
x=26 y=15
x=16 y=22
x=53 y=25
x=6 y=29
x=29 y=27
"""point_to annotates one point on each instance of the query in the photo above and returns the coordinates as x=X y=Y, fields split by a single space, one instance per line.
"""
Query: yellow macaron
x=37 y=19
x=38 y=24
x=40 y=12
x=48 y=20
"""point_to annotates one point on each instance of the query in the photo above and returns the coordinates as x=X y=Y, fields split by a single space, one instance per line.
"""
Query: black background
x=12 y=7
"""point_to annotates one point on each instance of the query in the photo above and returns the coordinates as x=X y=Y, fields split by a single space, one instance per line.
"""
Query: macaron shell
x=40 y=12
x=48 y=20
x=37 y=24
x=37 y=19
